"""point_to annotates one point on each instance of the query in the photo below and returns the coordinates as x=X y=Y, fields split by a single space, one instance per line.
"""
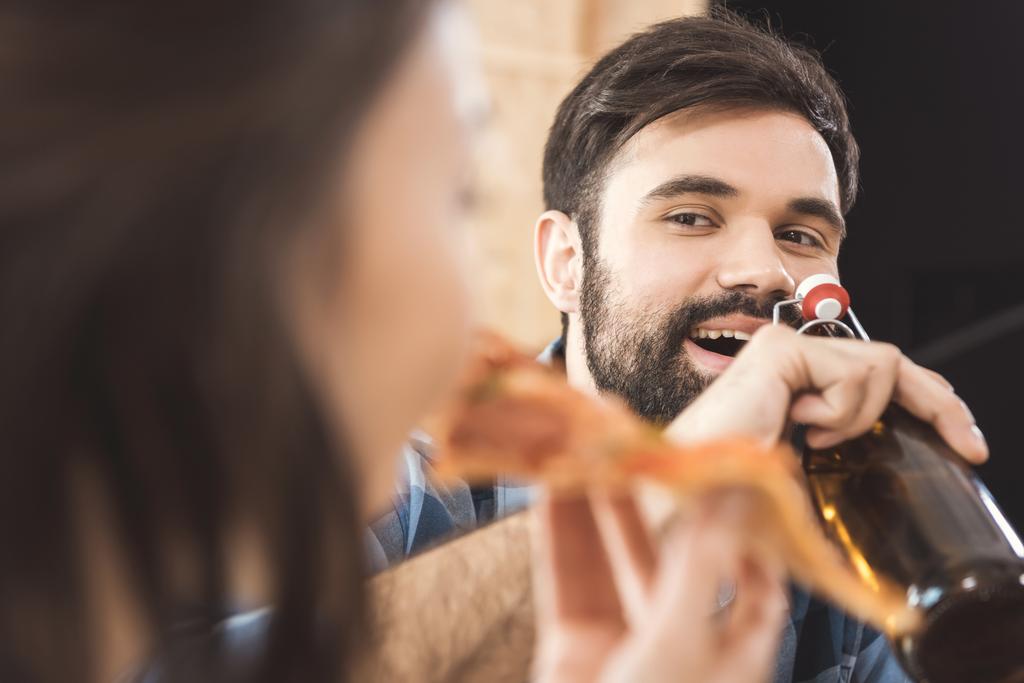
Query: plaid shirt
x=820 y=644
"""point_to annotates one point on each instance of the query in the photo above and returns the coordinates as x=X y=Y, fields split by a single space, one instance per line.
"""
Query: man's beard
x=641 y=358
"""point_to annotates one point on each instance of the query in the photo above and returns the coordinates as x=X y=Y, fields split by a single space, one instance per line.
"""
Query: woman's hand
x=838 y=387
x=611 y=607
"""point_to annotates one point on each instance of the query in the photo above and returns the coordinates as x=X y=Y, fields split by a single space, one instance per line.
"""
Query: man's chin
x=707 y=362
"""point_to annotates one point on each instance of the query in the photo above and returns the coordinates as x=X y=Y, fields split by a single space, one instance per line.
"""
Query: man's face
x=706 y=220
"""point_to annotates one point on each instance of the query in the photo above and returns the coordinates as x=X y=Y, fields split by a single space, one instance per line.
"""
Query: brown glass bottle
x=900 y=504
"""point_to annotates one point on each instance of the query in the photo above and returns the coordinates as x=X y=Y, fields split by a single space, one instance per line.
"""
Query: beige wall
x=534 y=51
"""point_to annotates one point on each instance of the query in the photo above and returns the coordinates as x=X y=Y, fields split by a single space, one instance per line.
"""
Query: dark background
x=935 y=254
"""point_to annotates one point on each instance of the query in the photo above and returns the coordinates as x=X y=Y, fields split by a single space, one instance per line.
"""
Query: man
x=696 y=175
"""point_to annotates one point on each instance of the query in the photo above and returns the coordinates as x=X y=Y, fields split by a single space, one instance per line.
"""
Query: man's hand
x=838 y=387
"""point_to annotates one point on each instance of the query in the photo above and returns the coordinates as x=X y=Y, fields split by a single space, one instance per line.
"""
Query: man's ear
x=558 y=254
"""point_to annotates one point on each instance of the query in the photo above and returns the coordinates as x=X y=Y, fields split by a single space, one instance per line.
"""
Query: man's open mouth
x=723 y=342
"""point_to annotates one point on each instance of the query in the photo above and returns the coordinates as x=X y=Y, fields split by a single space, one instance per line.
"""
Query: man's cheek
x=800 y=269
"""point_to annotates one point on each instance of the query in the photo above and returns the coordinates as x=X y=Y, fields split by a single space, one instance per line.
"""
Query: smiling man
x=689 y=188
x=692 y=179
x=707 y=218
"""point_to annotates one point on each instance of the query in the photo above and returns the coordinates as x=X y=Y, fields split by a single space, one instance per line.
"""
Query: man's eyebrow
x=713 y=187
x=821 y=208
x=690 y=184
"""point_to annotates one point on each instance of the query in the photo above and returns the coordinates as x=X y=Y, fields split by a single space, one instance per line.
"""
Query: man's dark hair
x=718 y=61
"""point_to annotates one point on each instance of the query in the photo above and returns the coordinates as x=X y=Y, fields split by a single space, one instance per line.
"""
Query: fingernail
x=979 y=436
x=970 y=415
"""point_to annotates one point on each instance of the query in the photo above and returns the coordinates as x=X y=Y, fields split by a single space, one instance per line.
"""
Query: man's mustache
x=691 y=313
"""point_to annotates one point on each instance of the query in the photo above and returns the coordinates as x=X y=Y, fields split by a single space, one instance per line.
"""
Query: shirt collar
x=554 y=353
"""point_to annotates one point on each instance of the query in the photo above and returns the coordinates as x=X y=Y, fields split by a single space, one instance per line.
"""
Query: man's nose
x=752 y=263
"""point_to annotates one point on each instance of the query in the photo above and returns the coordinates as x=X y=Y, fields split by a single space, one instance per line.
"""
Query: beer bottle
x=900 y=504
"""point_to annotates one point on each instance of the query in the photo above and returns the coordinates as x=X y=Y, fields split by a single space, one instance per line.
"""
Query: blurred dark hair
x=156 y=160
x=719 y=61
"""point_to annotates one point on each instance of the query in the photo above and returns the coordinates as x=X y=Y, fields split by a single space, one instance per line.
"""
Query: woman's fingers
x=684 y=632
x=682 y=625
x=579 y=617
x=629 y=548
x=574 y=576
x=696 y=559
x=759 y=597
x=676 y=637
x=750 y=641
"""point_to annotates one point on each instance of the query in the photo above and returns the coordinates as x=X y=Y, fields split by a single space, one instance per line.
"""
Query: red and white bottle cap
x=822 y=298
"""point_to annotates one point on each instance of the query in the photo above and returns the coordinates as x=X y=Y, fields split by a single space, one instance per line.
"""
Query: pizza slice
x=516 y=417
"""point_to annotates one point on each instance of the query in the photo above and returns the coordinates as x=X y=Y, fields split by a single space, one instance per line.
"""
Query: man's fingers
x=830 y=410
x=875 y=395
x=942 y=381
x=919 y=392
x=850 y=385
x=848 y=407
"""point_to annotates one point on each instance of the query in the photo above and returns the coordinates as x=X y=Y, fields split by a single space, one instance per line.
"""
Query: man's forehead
x=755 y=150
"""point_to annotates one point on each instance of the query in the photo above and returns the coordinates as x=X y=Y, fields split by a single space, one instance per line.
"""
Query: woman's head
x=387 y=343
x=210 y=216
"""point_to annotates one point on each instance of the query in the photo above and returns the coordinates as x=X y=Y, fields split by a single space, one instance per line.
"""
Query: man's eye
x=694 y=219
x=798 y=237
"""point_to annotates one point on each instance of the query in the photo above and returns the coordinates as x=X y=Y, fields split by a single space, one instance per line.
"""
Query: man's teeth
x=701 y=333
